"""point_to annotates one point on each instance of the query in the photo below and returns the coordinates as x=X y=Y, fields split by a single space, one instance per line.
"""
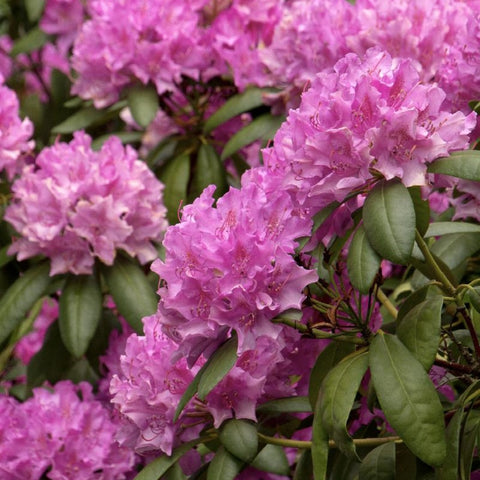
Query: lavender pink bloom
x=76 y=204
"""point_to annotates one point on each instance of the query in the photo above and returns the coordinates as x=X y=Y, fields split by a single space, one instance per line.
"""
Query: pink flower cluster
x=76 y=204
x=370 y=117
x=62 y=433
x=15 y=133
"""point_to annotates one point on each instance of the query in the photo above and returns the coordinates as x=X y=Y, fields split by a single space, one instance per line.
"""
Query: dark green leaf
x=319 y=447
x=252 y=97
x=82 y=371
x=405 y=463
x=240 y=438
x=408 y=398
x=80 y=311
x=263 y=127
x=422 y=209
x=363 y=262
x=143 y=103
x=60 y=86
x=175 y=176
x=474 y=298
x=224 y=466
x=304 y=467
x=221 y=362
x=125 y=137
x=32 y=40
x=158 y=467
x=419 y=330
x=468 y=442
x=463 y=164
x=286 y=405
x=34 y=9
x=327 y=359
x=438 y=229
x=449 y=469
x=379 y=464
x=21 y=296
x=209 y=169
x=418 y=296
x=336 y=396
x=133 y=295
x=389 y=221
x=175 y=472
x=272 y=458
x=52 y=362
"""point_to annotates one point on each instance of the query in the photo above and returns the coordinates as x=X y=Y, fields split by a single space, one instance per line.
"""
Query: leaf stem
x=385 y=301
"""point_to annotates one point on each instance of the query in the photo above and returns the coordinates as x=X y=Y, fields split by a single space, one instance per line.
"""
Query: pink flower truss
x=31 y=343
x=369 y=117
x=154 y=41
x=15 y=133
x=76 y=204
x=147 y=390
x=231 y=267
x=63 y=433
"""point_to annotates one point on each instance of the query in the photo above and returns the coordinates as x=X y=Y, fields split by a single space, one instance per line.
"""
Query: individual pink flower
x=15 y=133
x=76 y=204
x=231 y=267
x=371 y=117
x=61 y=433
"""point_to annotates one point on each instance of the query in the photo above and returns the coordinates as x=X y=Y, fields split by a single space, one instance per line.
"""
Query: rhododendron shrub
x=239 y=239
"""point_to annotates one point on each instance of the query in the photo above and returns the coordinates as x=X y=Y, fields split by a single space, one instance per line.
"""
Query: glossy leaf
x=408 y=398
x=158 y=467
x=462 y=164
x=21 y=296
x=220 y=363
x=142 y=101
x=261 y=128
x=389 y=221
x=379 y=464
x=251 y=98
x=419 y=330
x=175 y=176
x=327 y=359
x=209 y=169
x=363 y=262
x=80 y=311
x=438 y=229
x=286 y=405
x=336 y=396
x=240 y=438
x=272 y=459
x=224 y=466
x=34 y=39
x=134 y=297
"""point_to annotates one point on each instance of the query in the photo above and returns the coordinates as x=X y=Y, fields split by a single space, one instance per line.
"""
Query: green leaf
x=21 y=296
x=52 y=362
x=272 y=459
x=60 y=86
x=175 y=176
x=416 y=297
x=449 y=469
x=209 y=169
x=473 y=296
x=251 y=98
x=175 y=472
x=379 y=464
x=133 y=295
x=422 y=209
x=408 y=398
x=220 y=363
x=263 y=127
x=462 y=164
x=125 y=138
x=468 y=442
x=34 y=9
x=327 y=359
x=142 y=101
x=240 y=438
x=286 y=405
x=158 y=467
x=336 y=397
x=419 y=330
x=224 y=466
x=304 y=467
x=389 y=221
x=363 y=262
x=87 y=117
x=80 y=311
x=34 y=39
x=444 y=228
x=319 y=447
